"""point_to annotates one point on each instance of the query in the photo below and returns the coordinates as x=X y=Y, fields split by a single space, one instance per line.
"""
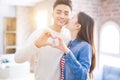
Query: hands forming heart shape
x=43 y=40
x=57 y=41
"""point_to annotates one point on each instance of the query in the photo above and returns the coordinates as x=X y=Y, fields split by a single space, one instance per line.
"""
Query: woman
x=80 y=54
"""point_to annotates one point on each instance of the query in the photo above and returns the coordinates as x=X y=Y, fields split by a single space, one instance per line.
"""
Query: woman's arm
x=80 y=67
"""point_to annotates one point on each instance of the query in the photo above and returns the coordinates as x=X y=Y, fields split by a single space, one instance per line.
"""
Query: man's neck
x=56 y=28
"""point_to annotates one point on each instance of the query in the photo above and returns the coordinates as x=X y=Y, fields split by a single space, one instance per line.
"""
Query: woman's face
x=72 y=23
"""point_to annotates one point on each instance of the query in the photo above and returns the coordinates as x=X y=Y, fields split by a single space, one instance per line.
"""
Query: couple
x=79 y=56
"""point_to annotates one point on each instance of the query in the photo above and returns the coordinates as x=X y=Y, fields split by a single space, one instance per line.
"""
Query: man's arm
x=27 y=50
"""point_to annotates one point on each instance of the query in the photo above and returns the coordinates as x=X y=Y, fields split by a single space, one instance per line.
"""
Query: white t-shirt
x=48 y=58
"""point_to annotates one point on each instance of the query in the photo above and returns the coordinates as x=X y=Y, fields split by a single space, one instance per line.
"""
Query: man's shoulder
x=36 y=33
x=65 y=31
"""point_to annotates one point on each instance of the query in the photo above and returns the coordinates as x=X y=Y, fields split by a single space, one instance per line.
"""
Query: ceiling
x=19 y=2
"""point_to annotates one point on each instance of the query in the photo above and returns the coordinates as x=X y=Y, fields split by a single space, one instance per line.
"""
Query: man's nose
x=62 y=15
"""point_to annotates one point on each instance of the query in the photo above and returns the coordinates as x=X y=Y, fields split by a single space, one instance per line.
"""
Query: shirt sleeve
x=80 y=67
x=25 y=51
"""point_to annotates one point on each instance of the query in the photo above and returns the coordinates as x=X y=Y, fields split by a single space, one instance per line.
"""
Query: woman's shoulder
x=85 y=48
x=84 y=44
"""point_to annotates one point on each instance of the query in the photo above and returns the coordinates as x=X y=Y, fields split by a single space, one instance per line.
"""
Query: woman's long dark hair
x=86 y=33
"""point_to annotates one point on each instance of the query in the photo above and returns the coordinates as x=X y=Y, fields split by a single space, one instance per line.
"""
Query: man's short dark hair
x=65 y=2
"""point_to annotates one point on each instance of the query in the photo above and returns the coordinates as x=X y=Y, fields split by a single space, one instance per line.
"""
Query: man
x=48 y=58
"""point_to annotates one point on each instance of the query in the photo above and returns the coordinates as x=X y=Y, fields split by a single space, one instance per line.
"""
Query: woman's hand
x=43 y=39
x=61 y=45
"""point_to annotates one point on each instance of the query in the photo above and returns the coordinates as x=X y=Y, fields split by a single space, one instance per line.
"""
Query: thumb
x=59 y=38
x=50 y=44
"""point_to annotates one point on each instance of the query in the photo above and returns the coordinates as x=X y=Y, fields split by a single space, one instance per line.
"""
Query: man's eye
x=66 y=14
x=58 y=12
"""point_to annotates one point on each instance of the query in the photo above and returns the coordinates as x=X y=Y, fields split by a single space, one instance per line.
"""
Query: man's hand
x=43 y=39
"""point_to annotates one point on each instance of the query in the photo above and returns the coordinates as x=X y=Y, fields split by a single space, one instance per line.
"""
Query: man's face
x=72 y=23
x=61 y=14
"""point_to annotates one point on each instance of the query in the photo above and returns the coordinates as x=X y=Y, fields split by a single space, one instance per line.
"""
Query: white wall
x=24 y=23
x=1 y=35
x=5 y=11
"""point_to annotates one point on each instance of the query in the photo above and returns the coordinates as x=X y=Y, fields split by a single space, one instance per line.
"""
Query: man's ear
x=78 y=26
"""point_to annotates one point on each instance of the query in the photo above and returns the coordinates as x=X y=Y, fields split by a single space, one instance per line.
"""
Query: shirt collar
x=73 y=42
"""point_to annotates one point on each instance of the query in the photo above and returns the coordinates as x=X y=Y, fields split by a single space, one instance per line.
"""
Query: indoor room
x=20 y=18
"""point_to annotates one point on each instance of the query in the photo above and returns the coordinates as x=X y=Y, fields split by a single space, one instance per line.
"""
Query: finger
x=52 y=35
x=49 y=44
x=56 y=46
x=59 y=38
x=49 y=34
x=46 y=35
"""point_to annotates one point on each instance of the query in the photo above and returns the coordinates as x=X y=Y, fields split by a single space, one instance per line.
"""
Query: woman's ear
x=78 y=26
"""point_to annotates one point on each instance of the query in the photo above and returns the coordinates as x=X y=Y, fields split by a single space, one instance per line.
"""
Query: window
x=110 y=38
x=109 y=48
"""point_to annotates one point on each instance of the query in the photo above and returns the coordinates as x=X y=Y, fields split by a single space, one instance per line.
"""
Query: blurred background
x=19 y=18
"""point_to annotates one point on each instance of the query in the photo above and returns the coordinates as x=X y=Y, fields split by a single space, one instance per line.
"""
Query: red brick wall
x=110 y=11
x=91 y=7
x=101 y=10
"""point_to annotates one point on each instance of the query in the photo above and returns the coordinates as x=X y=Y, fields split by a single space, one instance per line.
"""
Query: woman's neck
x=73 y=35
